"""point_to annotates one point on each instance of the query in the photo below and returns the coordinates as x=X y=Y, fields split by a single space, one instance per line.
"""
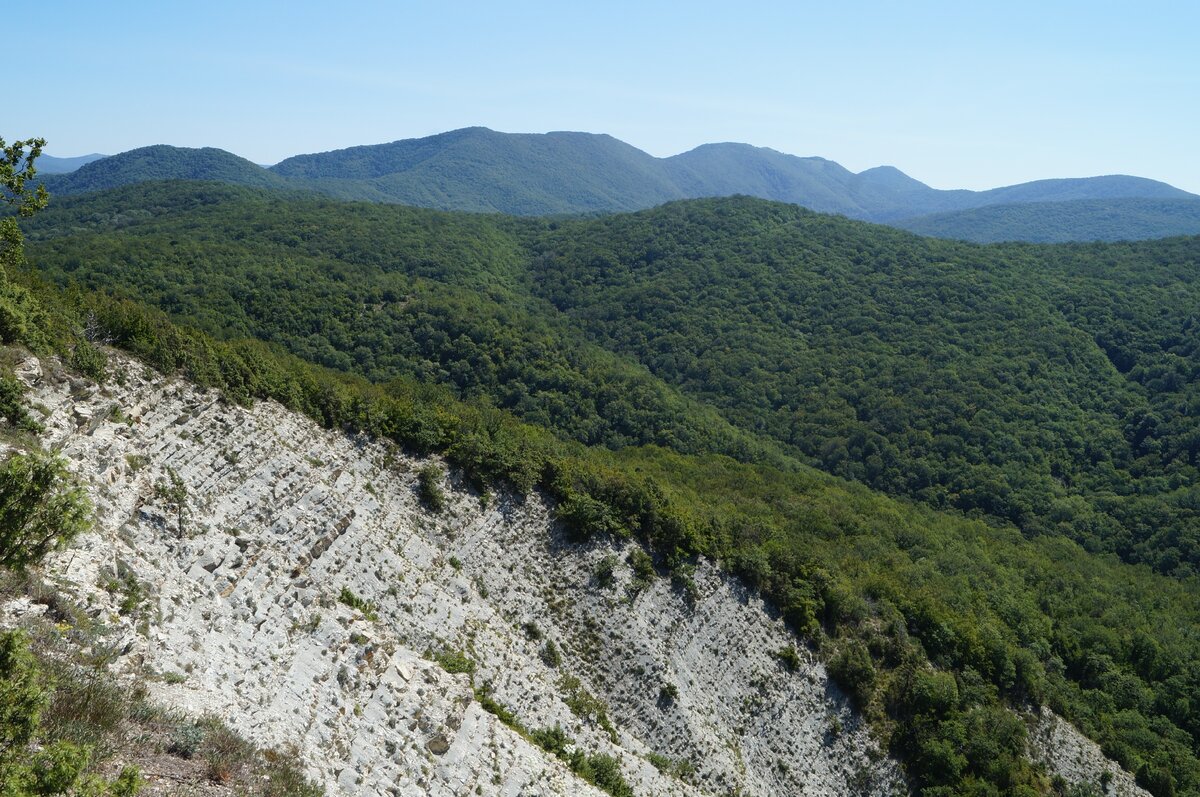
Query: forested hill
x=1053 y=387
x=162 y=162
x=476 y=169
x=1031 y=409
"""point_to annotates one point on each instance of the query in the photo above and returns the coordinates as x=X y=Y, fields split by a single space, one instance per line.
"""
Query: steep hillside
x=1058 y=222
x=294 y=582
x=936 y=624
x=295 y=586
x=731 y=326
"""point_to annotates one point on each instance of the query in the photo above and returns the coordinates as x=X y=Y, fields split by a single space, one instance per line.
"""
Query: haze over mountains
x=48 y=164
x=481 y=170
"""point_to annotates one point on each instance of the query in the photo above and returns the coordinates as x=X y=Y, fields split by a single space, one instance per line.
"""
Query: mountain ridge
x=476 y=169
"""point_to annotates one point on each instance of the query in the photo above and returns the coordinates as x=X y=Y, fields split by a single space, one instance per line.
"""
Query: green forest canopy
x=714 y=347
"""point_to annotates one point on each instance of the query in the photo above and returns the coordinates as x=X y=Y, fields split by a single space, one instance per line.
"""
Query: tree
x=21 y=318
x=16 y=171
x=40 y=508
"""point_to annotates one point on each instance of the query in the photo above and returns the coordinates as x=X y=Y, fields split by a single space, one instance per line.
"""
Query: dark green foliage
x=21 y=319
x=174 y=493
x=1020 y=382
x=853 y=668
x=429 y=487
x=163 y=162
x=999 y=381
x=18 y=170
x=41 y=508
x=48 y=731
x=88 y=360
x=455 y=662
x=550 y=655
x=606 y=570
x=789 y=658
x=642 y=566
x=385 y=292
x=492 y=706
x=354 y=602
x=22 y=695
x=585 y=705
x=601 y=770
x=12 y=405
x=552 y=740
x=1047 y=386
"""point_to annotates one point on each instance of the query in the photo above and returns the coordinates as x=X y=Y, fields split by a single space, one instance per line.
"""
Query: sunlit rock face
x=291 y=582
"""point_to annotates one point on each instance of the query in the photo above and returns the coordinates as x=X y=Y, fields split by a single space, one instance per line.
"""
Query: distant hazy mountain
x=480 y=169
x=530 y=174
x=162 y=162
x=48 y=164
x=477 y=169
x=1116 y=219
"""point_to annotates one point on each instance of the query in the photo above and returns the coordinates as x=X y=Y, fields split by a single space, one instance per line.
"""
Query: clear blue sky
x=957 y=94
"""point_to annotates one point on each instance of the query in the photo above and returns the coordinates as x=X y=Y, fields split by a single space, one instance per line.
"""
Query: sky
x=956 y=94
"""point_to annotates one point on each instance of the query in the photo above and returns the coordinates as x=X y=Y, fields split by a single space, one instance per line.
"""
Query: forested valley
x=966 y=473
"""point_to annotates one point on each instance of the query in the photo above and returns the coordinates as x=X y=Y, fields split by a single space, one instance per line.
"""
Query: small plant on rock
x=174 y=493
x=429 y=487
x=606 y=570
x=550 y=655
x=788 y=657
x=354 y=602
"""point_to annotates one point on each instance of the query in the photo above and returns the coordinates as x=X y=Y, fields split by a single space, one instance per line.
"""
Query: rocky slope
x=288 y=579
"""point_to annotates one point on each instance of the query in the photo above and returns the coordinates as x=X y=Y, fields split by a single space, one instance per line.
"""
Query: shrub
x=494 y=707
x=226 y=755
x=32 y=760
x=454 y=662
x=643 y=568
x=89 y=361
x=552 y=740
x=788 y=657
x=354 y=602
x=12 y=408
x=22 y=694
x=284 y=779
x=606 y=774
x=429 y=487
x=606 y=570
x=854 y=671
x=186 y=740
x=40 y=508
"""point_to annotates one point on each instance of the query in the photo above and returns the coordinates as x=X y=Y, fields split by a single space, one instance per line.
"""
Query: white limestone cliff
x=245 y=527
